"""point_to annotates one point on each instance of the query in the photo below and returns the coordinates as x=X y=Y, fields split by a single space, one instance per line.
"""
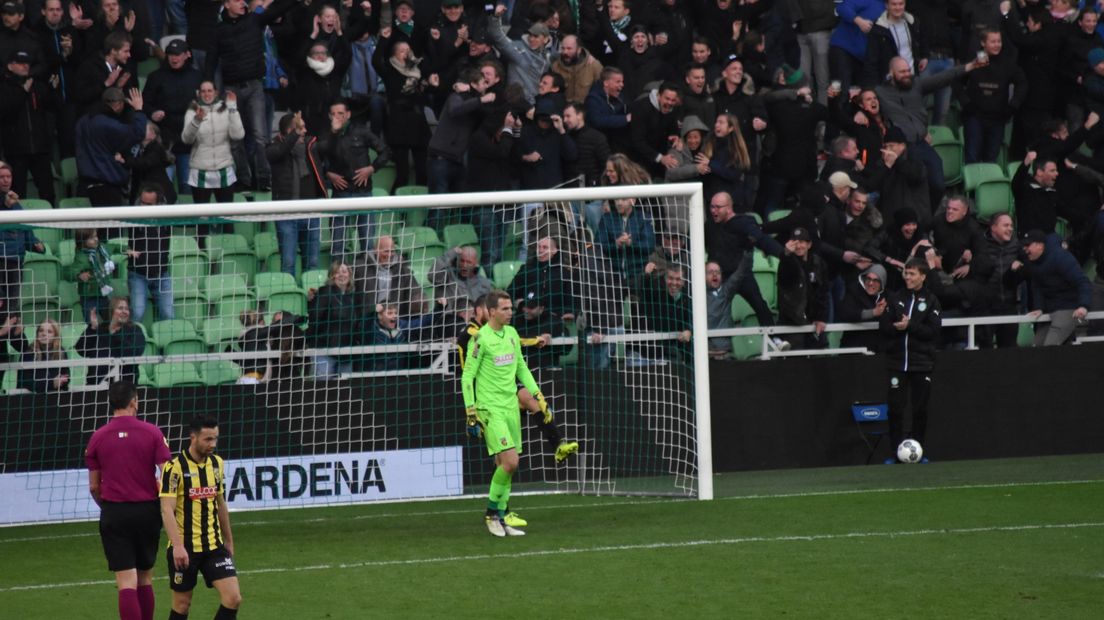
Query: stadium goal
x=330 y=393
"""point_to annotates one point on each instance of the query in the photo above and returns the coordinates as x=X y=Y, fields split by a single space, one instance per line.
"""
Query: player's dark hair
x=120 y=394
x=201 y=422
x=479 y=301
x=918 y=264
x=471 y=75
x=1054 y=125
x=494 y=297
x=579 y=108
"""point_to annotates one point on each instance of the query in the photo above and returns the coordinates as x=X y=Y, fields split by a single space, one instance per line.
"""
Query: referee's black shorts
x=130 y=532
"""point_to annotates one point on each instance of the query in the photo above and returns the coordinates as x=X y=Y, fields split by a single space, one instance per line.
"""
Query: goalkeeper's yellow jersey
x=493 y=368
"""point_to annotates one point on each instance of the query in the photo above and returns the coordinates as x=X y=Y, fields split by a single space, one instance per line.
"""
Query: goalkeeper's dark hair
x=478 y=301
x=120 y=394
x=201 y=422
x=494 y=297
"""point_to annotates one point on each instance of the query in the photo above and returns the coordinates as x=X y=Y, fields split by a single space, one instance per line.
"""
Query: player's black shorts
x=214 y=565
x=130 y=532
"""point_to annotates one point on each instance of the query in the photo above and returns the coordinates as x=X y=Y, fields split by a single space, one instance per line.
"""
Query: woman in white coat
x=209 y=126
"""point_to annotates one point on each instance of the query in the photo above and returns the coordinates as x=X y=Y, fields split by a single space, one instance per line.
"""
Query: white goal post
x=652 y=383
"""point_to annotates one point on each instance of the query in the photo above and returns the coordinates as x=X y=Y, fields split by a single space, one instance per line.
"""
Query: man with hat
x=1058 y=287
x=903 y=178
x=803 y=289
x=448 y=37
x=27 y=109
x=527 y=59
x=16 y=36
x=168 y=93
x=735 y=94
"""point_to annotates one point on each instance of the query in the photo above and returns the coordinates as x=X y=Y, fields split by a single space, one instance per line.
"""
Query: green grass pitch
x=1019 y=538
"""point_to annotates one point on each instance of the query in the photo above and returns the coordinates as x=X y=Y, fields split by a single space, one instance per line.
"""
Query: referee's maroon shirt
x=125 y=451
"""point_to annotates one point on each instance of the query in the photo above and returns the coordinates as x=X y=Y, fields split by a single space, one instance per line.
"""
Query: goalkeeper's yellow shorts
x=501 y=430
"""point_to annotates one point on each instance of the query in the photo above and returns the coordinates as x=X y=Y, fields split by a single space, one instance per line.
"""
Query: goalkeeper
x=489 y=382
x=526 y=401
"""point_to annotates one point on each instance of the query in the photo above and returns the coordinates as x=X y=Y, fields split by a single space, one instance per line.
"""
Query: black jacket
x=152 y=245
x=287 y=175
x=1003 y=281
x=348 y=150
x=593 y=150
x=802 y=290
x=881 y=47
x=129 y=341
x=726 y=243
x=238 y=45
x=1057 y=282
x=336 y=319
x=544 y=284
x=171 y=92
x=911 y=349
x=904 y=185
x=27 y=117
x=986 y=91
x=489 y=159
x=1036 y=206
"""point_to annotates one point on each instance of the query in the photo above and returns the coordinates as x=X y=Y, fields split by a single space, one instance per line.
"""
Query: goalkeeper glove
x=544 y=408
x=475 y=427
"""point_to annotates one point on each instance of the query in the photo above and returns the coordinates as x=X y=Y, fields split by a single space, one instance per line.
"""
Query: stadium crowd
x=815 y=127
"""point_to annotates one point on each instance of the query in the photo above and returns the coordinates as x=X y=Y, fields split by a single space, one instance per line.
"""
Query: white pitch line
x=644 y=502
x=606 y=549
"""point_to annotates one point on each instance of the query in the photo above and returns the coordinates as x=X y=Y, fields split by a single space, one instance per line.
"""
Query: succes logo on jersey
x=504 y=360
x=201 y=493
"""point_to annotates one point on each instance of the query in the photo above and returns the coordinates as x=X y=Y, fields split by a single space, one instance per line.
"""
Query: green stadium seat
x=176 y=374
x=69 y=176
x=974 y=175
x=279 y=292
x=768 y=287
x=949 y=148
x=457 y=235
x=1012 y=168
x=178 y=337
x=219 y=372
x=315 y=278
x=265 y=245
x=379 y=192
x=217 y=245
x=68 y=297
x=411 y=190
x=188 y=275
x=42 y=268
x=220 y=332
x=384 y=179
x=191 y=308
x=219 y=286
x=71 y=333
x=419 y=242
x=67 y=250
x=182 y=245
x=51 y=238
x=777 y=214
x=34 y=310
x=504 y=272
x=74 y=202
x=35 y=203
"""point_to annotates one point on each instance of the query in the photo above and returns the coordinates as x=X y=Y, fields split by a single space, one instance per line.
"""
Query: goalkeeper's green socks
x=500 y=491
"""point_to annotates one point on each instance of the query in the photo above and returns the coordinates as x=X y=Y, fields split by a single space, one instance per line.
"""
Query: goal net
x=323 y=336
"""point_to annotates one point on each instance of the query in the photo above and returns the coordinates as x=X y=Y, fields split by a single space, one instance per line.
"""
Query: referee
x=122 y=459
x=193 y=509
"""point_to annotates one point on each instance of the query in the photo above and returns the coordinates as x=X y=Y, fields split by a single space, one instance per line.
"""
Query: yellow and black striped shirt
x=197 y=488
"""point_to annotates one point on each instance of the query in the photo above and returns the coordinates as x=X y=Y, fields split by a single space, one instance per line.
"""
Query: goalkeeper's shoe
x=566 y=449
x=494 y=526
x=512 y=531
x=513 y=520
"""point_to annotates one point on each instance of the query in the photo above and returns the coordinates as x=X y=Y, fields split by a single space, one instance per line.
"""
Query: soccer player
x=489 y=383
x=526 y=401
x=122 y=458
x=193 y=508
